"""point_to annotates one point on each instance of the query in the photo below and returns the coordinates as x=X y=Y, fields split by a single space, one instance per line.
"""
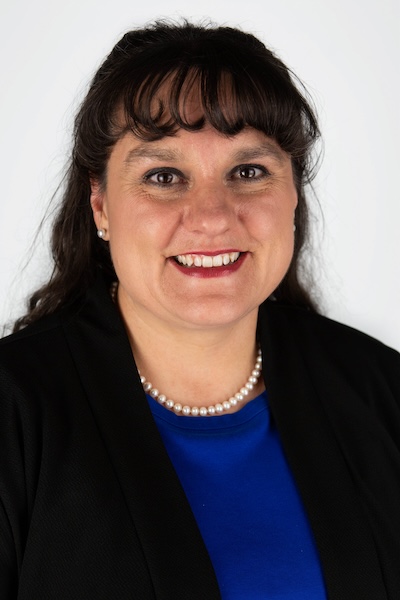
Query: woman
x=143 y=453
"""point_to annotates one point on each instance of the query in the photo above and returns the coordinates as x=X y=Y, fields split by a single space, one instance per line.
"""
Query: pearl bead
x=177 y=407
x=219 y=408
x=169 y=404
x=186 y=410
x=211 y=410
x=203 y=411
x=154 y=393
x=147 y=386
x=162 y=399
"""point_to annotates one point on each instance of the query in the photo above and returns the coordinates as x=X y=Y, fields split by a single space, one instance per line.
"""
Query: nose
x=209 y=211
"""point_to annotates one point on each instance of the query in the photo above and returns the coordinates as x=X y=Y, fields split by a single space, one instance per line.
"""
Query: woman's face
x=200 y=225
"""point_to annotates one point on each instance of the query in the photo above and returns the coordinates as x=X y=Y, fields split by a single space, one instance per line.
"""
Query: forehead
x=247 y=145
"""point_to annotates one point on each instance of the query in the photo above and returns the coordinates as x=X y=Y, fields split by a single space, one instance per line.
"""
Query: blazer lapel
x=342 y=532
x=177 y=559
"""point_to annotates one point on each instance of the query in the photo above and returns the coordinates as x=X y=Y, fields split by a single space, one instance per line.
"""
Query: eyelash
x=231 y=176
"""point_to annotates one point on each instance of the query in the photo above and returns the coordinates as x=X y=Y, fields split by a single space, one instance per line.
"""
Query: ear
x=99 y=206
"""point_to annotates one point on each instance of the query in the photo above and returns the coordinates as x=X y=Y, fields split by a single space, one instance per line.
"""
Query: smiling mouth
x=205 y=261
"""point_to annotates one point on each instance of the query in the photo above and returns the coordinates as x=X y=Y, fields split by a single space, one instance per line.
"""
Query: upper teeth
x=201 y=260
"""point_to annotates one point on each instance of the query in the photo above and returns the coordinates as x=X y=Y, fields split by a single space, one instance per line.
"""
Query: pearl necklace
x=201 y=411
x=204 y=411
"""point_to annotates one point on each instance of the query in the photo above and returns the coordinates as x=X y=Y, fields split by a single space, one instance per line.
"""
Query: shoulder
x=44 y=353
x=332 y=348
x=352 y=376
x=33 y=331
x=38 y=338
x=35 y=356
x=315 y=328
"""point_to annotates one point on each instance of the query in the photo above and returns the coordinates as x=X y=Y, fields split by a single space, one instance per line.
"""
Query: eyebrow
x=267 y=149
x=144 y=151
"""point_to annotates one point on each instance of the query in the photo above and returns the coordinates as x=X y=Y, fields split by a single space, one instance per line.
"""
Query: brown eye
x=163 y=177
x=247 y=172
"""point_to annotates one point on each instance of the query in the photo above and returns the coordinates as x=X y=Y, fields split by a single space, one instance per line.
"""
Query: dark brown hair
x=239 y=82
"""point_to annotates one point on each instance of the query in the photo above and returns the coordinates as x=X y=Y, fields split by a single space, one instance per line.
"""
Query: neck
x=192 y=366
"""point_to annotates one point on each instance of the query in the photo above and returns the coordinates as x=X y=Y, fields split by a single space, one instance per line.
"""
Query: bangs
x=183 y=93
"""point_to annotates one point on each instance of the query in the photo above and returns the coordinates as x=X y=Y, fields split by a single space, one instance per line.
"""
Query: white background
x=347 y=54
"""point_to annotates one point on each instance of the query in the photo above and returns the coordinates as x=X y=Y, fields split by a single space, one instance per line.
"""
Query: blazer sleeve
x=15 y=461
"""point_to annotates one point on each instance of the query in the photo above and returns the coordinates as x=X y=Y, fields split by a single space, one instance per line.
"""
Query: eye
x=163 y=177
x=249 y=172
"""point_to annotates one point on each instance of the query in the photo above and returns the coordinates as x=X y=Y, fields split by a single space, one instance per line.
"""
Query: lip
x=204 y=273
x=212 y=252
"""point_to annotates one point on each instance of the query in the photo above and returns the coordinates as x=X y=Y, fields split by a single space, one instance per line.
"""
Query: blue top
x=242 y=493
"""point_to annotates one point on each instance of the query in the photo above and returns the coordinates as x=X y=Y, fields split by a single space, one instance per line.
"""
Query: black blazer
x=90 y=505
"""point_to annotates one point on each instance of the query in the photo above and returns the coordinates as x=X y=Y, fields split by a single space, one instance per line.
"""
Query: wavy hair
x=147 y=78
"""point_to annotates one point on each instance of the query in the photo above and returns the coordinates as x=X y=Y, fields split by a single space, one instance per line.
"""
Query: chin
x=219 y=313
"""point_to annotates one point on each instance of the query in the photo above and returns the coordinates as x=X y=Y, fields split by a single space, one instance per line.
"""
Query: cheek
x=138 y=231
x=270 y=222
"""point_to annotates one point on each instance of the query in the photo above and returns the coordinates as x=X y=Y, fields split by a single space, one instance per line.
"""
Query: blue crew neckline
x=213 y=422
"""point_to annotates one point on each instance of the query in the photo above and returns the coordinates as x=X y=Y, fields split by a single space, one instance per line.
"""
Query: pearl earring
x=100 y=233
x=294 y=227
